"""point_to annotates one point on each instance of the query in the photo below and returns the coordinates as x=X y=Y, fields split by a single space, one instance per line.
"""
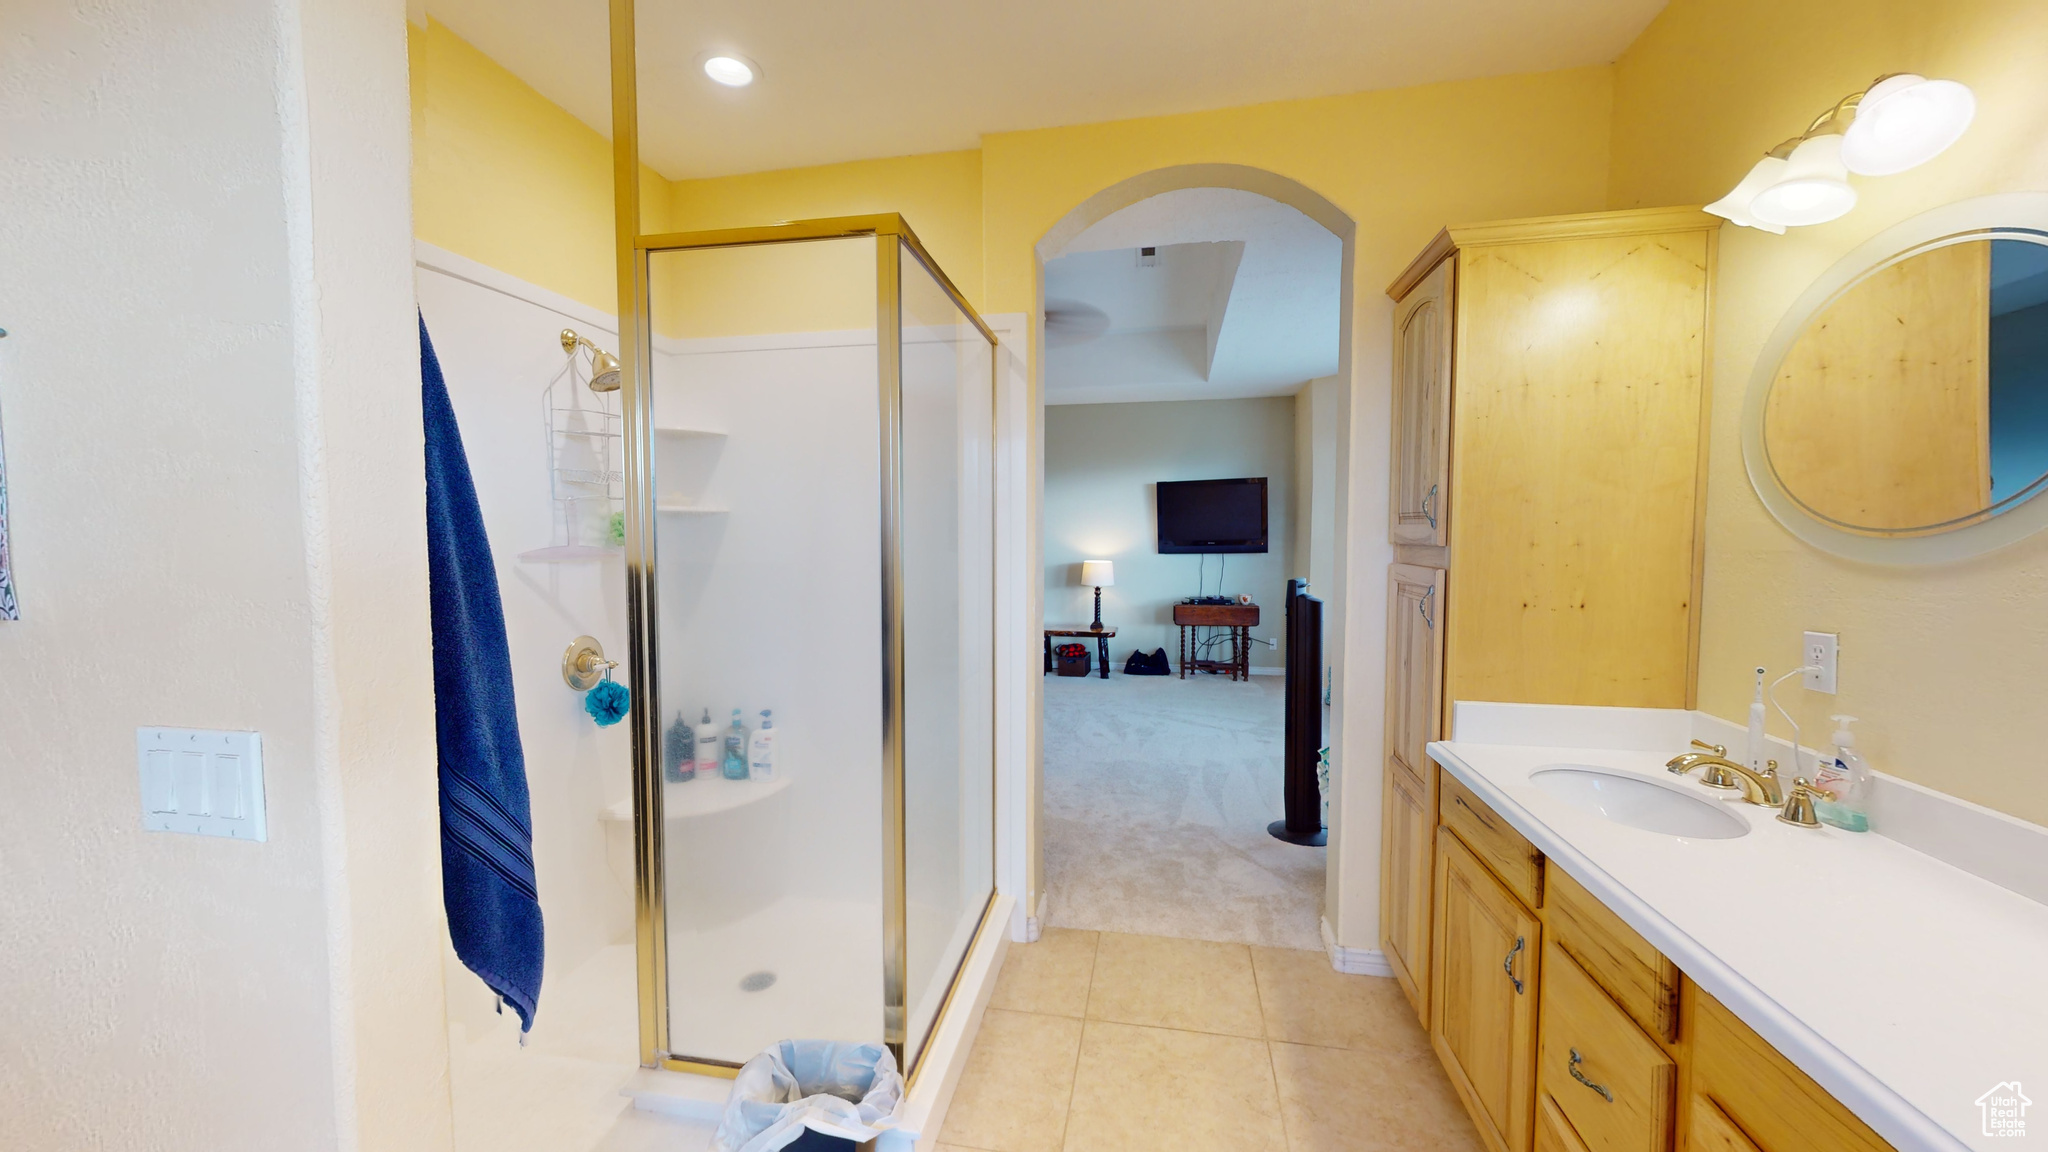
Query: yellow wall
x=939 y=194
x=1945 y=664
x=505 y=177
x=1400 y=163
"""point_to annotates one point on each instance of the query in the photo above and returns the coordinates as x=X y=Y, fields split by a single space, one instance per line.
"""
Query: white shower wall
x=499 y=353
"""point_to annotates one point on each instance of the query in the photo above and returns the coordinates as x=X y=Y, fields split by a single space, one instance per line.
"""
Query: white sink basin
x=1637 y=802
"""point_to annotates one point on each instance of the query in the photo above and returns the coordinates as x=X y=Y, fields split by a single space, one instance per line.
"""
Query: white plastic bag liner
x=848 y=1090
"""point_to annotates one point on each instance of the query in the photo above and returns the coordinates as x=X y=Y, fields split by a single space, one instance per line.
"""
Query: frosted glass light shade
x=1098 y=573
x=1813 y=189
x=1904 y=121
x=1735 y=206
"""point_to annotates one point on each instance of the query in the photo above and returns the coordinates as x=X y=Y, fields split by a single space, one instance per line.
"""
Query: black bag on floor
x=1141 y=664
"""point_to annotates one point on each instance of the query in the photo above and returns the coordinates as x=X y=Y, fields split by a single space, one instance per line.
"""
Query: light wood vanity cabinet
x=1484 y=973
x=1546 y=490
x=1563 y=1030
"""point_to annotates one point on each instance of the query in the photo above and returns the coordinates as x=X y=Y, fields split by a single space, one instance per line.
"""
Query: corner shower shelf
x=569 y=554
x=688 y=432
x=689 y=510
x=704 y=796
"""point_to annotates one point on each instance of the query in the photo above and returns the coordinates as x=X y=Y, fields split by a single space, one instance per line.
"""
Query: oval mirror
x=1900 y=413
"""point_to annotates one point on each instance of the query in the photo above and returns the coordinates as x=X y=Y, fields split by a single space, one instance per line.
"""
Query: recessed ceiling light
x=731 y=71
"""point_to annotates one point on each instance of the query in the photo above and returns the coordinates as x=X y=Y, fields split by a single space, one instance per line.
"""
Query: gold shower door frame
x=892 y=236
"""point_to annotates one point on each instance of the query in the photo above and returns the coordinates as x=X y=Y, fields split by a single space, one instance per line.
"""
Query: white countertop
x=1903 y=985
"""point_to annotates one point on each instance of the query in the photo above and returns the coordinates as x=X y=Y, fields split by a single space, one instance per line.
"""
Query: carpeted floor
x=1157 y=795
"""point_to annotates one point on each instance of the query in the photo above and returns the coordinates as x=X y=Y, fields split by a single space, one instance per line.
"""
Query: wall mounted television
x=1212 y=516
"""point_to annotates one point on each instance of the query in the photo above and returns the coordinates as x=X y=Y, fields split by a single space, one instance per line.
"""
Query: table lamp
x=1102 y=574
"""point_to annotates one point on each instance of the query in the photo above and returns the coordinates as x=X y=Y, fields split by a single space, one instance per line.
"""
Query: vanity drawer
x=1554 y=1132
x=1708 y=1129
x=1771 y=1103
x=1641 y=979
x=1516 y=861
x=1614 y=1084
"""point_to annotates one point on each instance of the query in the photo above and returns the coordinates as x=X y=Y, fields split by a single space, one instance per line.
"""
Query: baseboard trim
x=1354 y=961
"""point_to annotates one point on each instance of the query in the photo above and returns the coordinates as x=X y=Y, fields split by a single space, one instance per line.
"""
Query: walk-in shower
x=810 y=531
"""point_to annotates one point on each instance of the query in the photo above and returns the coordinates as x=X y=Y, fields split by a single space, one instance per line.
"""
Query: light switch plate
x=1821 y=652
x=201 y=782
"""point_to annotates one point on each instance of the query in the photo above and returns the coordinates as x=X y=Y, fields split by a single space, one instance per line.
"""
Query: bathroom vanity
x=1624 y=958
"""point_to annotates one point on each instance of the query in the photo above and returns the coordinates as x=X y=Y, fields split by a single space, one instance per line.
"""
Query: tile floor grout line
x=1074 y=1080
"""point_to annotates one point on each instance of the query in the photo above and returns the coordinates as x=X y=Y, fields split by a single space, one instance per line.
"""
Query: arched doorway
x=1105 y=223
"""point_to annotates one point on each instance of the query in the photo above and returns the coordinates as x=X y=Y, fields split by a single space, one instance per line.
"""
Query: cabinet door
x=1414 y=693
x=1405 y=873
x=1554 y=1133
x=1422 y=409
x=1415 y=663
x=1483 y=993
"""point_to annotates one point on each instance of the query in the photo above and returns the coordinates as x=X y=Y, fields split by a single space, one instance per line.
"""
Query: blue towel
x=487 y=879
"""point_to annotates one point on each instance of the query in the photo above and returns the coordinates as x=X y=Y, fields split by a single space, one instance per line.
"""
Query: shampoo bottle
x=761 y=748
x=736 y=748
x=707 y=744
x=1846 y=779
x=679 y=752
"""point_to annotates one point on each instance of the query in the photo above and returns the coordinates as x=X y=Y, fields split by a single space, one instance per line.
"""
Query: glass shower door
x=821 y=479
x=767 y=466
x=948 y=568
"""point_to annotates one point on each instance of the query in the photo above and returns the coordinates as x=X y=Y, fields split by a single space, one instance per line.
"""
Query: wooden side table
x=1239 y=618
x=1101 y=635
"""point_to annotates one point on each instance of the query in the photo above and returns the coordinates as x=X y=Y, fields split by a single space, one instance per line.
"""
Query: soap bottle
x=736 y=748
x=761 y=748
x=679 y=752
x=1846 y=780
x=707 y=744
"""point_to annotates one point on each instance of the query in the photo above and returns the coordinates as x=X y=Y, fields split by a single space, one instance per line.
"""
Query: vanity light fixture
x=1899 y=122
x=731 y=71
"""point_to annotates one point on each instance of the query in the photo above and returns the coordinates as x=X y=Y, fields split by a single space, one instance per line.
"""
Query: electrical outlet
x=1819 y=657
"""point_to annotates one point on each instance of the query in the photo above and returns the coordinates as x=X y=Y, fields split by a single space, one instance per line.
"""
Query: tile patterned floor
x=1101 y=1041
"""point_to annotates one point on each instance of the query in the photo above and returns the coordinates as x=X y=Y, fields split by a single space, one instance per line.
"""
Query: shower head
x=604 y=372
x=604 y=367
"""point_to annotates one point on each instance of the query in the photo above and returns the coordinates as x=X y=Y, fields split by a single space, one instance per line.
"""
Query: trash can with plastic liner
x=811 y=1096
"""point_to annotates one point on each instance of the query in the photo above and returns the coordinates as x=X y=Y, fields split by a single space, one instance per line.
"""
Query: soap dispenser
x=707 y=744
x=1846 y=781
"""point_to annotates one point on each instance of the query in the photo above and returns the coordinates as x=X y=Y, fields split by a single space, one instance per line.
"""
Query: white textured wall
x=210 y=398
x=1101 y=464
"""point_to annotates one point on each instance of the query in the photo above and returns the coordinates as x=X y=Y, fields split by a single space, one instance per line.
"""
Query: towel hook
x=583 y=665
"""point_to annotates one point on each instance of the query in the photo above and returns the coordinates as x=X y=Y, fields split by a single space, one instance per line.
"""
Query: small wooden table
x=1101 y=635
x=1239 y=618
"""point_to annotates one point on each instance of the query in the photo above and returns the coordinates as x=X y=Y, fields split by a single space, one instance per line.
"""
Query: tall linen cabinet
x=1550 y=433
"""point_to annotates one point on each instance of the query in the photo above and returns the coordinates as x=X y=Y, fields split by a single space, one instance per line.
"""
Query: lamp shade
x=1735 y=206
x=1904 y=121
x=1099 y=573
x=1813 y=189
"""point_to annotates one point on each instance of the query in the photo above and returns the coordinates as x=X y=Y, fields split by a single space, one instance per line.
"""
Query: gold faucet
x=1714 y=756
x=1757 y=787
